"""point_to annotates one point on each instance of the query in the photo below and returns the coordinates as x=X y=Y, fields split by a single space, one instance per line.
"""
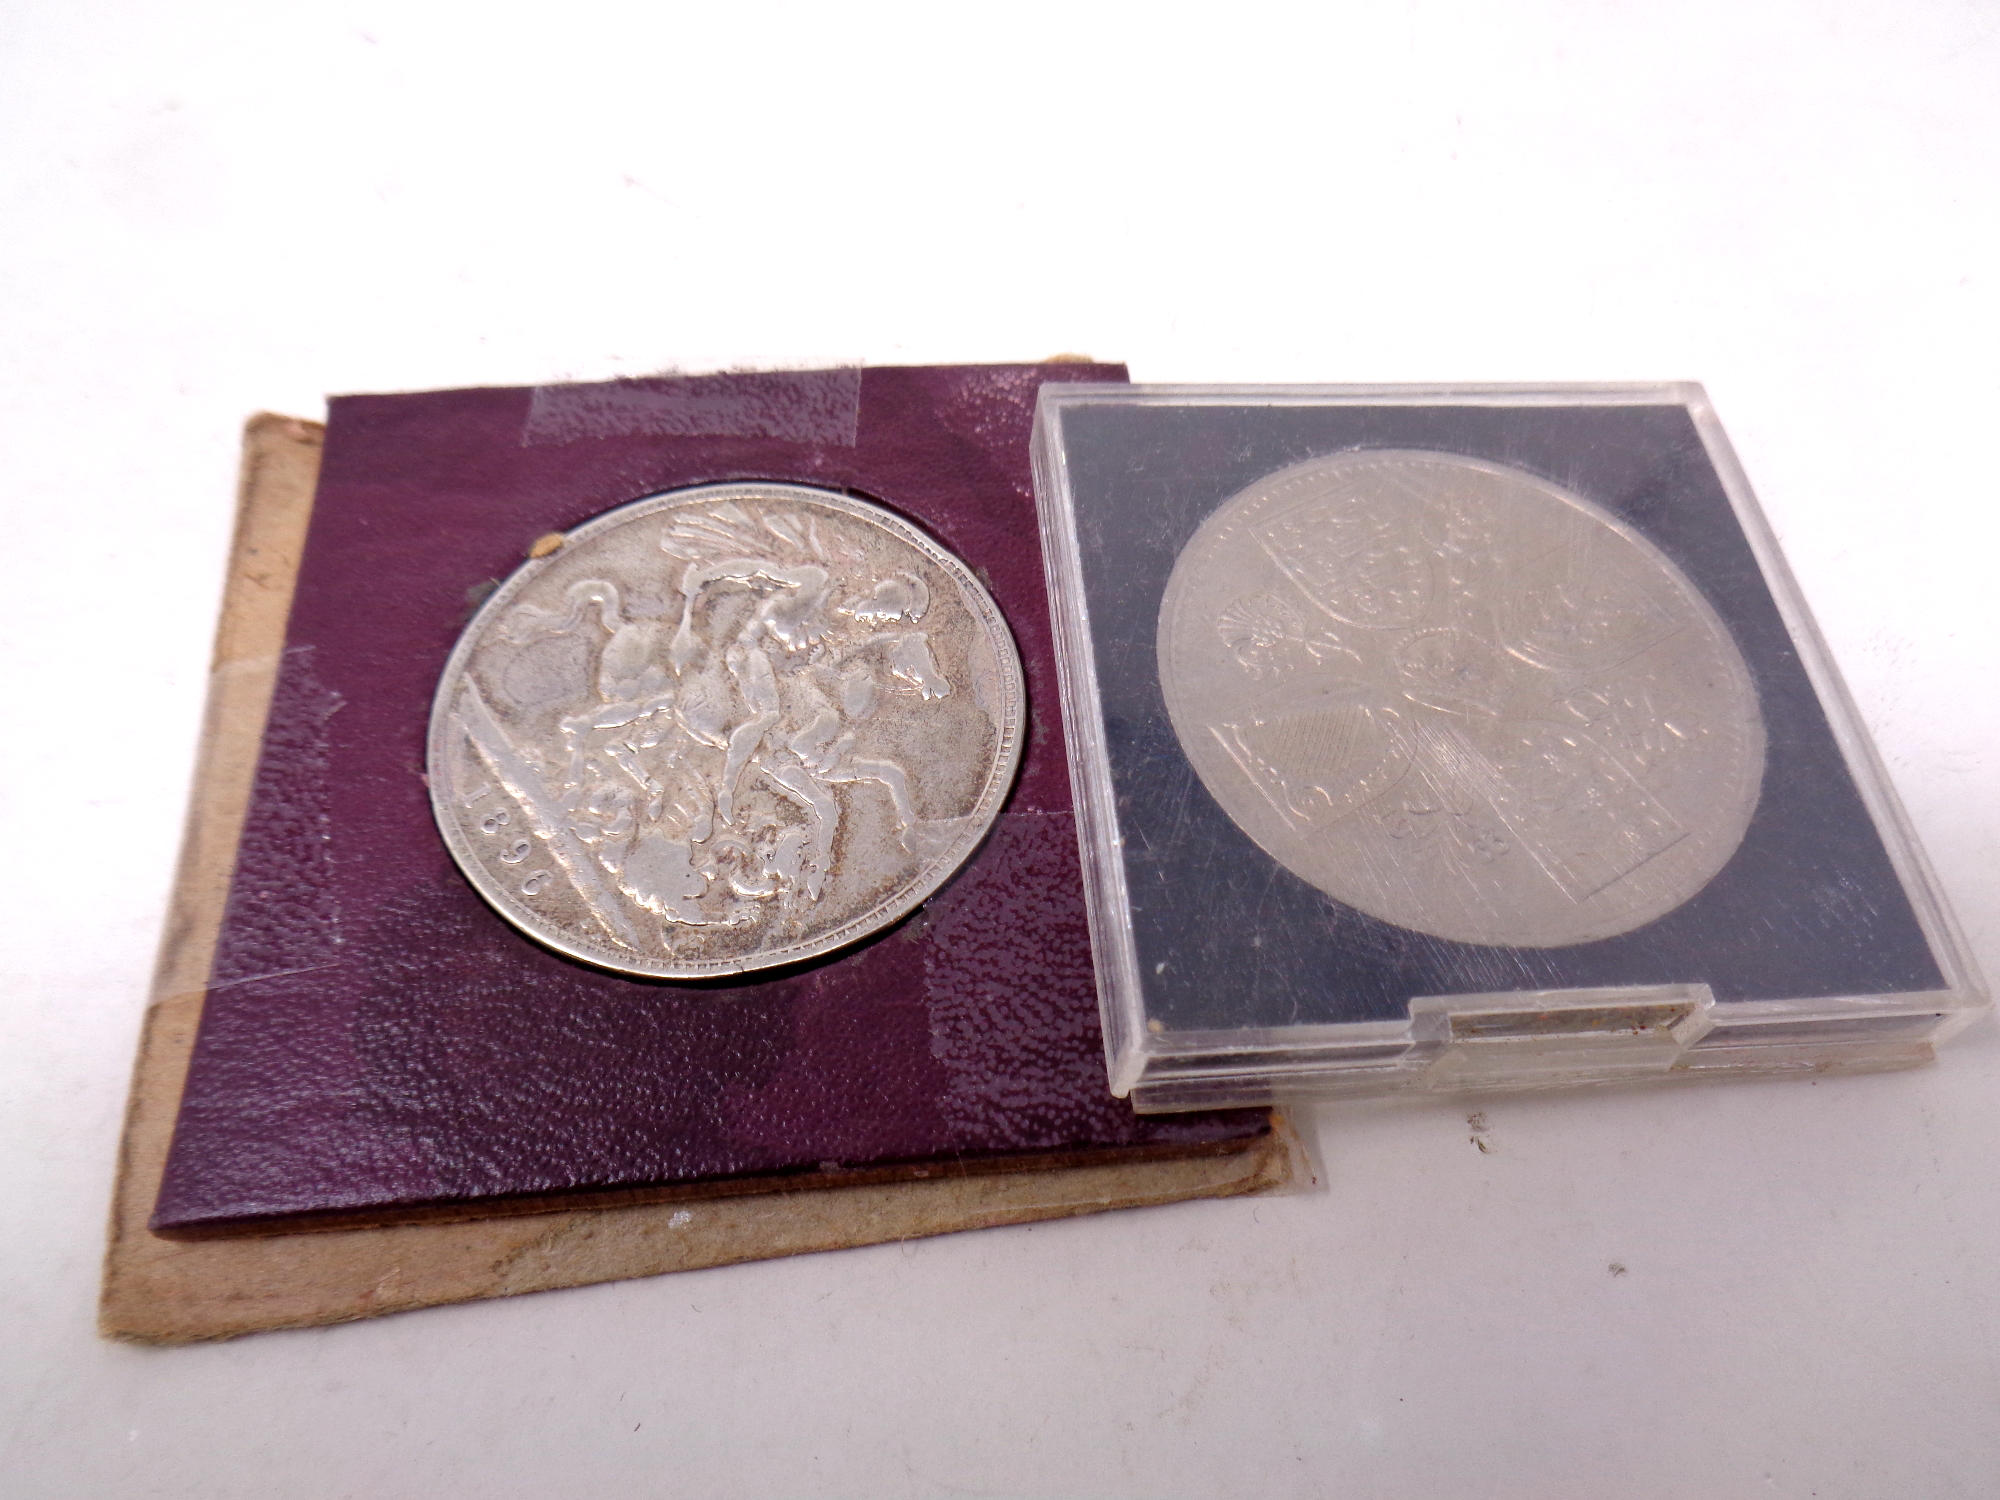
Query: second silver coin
x=1460 y=699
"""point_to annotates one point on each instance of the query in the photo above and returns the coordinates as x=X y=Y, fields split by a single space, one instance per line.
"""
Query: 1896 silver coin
x=725 y=728
x=1460 y=699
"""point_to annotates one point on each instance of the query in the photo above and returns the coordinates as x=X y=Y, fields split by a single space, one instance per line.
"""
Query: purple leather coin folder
x=377 y=1045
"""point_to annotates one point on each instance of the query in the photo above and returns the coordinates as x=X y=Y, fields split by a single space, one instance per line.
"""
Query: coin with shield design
x=1459 y=698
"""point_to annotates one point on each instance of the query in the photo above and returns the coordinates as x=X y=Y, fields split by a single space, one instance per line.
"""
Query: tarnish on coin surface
x=725 y=728
x=1460 y=699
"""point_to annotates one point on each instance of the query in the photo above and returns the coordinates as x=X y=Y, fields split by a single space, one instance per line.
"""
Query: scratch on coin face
x=723 y=729
x=1460 y=699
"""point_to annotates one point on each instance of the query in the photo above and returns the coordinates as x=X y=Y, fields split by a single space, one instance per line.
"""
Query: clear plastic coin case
x=1459 y=739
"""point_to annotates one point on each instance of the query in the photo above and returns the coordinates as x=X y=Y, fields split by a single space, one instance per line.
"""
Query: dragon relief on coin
x=1460 y=699
x=723 y=729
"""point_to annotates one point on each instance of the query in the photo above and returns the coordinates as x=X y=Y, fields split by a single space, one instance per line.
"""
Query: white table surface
x=207 y=210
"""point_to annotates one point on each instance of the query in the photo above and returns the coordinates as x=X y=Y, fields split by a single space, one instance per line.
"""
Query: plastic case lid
x=1462 y=738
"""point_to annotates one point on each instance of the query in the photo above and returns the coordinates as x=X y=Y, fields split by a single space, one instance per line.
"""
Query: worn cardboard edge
x=167 y=1291
x=809 y=1180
